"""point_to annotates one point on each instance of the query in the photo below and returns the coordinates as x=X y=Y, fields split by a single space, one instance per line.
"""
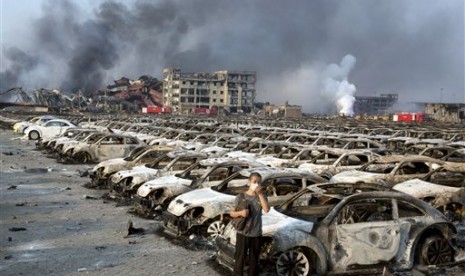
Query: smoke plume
x=403 y=46
x=337 y=87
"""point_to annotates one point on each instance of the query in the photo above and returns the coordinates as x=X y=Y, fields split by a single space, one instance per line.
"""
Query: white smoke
x=337 y=88
x=318 y=88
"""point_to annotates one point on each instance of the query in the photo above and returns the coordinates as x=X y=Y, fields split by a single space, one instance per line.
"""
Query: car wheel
x=436 y=250
x=293 y=262
x=83 y=157
x=34 y=135
x=215 y=229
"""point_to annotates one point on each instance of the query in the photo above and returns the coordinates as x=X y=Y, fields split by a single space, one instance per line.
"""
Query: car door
x=365 y=233
x=110 y=147
x=51 y=129
x=63 y=127
x=128 y=144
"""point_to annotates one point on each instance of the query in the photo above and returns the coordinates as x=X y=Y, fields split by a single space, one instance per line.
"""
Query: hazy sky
x=411 y=47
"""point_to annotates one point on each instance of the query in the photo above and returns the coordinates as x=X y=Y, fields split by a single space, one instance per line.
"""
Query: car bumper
x=175 y=225
x=142 y=201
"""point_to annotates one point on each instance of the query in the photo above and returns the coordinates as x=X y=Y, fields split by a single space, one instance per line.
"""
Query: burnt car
x=108 y=147
x=101 y=172
x=323 y=229
x=331 y=162
x=126 y=182
x=155 y=195
x=437 y=152
x=440 y=188
x=457 y=156
x=206 y=211
x=65 y=149
x=390 y=170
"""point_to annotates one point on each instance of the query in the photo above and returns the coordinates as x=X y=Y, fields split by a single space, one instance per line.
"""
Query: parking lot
x=52 y=224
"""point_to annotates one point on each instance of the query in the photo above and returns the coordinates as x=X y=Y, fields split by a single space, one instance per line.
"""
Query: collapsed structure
x=124 y=94
x=207 y=93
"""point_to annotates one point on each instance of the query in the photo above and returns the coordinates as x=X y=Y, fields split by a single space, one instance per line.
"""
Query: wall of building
x=453 y=113
x=232 y=90
x=375 y=105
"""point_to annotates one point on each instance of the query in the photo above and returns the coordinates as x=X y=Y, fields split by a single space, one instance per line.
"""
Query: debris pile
x=124 y=94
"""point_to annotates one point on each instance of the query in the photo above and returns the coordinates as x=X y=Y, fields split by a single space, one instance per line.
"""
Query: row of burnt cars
x=342 y=199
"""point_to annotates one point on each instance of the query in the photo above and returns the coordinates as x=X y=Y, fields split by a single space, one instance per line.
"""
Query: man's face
x=254 y=180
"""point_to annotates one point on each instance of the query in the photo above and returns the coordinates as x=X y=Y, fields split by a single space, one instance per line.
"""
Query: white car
x=20 y=127
x=49 y=129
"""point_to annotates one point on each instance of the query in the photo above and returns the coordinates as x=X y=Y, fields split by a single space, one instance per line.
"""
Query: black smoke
x=401 y=46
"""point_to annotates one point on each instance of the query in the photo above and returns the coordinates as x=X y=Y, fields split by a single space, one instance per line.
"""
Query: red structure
x=156 y=110
x=204 y=111
x=410 y=117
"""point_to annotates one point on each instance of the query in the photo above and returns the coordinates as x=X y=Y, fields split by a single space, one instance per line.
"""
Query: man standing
x=248 y=239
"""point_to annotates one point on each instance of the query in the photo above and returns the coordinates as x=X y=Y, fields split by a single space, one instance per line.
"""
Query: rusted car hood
x=166 y=182
x=159 y=141
x=274 y=224
x=237 y=154
x=214 y=151
x=356 y=176
x=136 y=171
x=111 y=163
x=271 y=161
x=200 y=197
x=314 y=168
x=421 y=189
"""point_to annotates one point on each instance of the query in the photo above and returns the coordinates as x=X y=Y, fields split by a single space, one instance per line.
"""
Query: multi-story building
x=231 y=90
x=374 y=105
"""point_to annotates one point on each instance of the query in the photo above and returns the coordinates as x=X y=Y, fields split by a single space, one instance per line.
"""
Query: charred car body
x=390 y=170
x=107 y=147
x=139 y=156
x=207 y=210
x=322 y=230
x=126 y=182
x=158 y=193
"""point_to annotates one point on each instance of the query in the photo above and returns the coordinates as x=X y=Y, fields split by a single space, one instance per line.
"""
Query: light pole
x=440 y=95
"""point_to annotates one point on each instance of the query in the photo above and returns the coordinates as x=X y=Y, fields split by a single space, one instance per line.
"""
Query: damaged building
x=233 y=91
x=130 y=95
x=285 y=110
x=42 y=100
x=446 y=112
x=125 y=94
x=374 y=105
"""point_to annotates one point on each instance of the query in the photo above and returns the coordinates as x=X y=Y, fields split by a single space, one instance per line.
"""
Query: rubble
x=124 y=94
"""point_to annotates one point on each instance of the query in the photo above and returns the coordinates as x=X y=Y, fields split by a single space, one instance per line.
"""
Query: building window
x=221 y=92
x=214 y=100
x=214 y=92
x=221 y=100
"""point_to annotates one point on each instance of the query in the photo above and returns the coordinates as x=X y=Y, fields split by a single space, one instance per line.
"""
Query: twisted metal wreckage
x=124 y=94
